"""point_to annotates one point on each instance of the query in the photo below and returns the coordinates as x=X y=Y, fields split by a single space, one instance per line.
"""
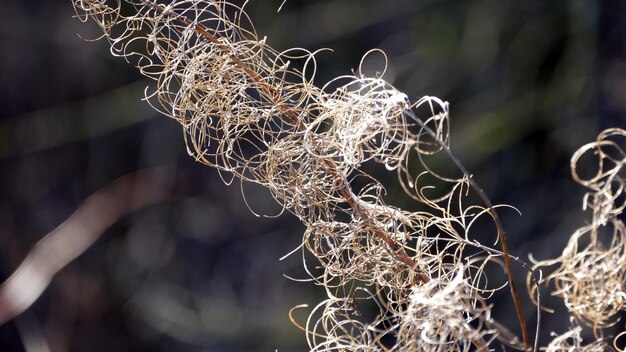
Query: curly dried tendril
x=248 y=112
x=591 y=272
x=572 y=341
x=444 y=316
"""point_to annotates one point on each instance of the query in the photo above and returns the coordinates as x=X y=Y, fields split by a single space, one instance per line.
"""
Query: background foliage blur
x=528 y=82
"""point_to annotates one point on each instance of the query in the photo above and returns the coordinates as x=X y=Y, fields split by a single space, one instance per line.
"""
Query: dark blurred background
x=528 y=82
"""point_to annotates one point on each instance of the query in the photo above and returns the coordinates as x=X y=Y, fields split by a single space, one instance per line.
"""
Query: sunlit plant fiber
x=255 y=114
x=590 y=274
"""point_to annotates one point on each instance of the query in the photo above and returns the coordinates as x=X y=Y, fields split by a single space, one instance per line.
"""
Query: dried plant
x=571 y=341
x=591 y=272
x=255 y=114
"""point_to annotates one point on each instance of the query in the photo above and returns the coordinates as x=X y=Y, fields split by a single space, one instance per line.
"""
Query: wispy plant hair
x=590 y=274
x=257 y=114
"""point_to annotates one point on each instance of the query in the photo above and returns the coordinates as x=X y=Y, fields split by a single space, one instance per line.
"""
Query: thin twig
x=76 y=234
x=501 y=233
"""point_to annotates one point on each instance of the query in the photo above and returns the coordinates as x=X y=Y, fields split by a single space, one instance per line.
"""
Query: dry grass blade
x=75 y=235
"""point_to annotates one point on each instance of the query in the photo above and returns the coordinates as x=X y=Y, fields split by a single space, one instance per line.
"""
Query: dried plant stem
x=344 y=190
x=507 y=261
x=76 y=234
x=500 y=229
x=251 y=115
x=251 y=73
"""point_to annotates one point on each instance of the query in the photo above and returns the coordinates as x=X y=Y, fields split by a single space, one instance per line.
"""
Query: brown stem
x=507 y=260
x=501 y=233
x=344 y=190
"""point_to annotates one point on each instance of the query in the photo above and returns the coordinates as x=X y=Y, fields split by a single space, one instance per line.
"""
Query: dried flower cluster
x=591 y=272
x=443 y=318
x=395 y=280
x=571 y=341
